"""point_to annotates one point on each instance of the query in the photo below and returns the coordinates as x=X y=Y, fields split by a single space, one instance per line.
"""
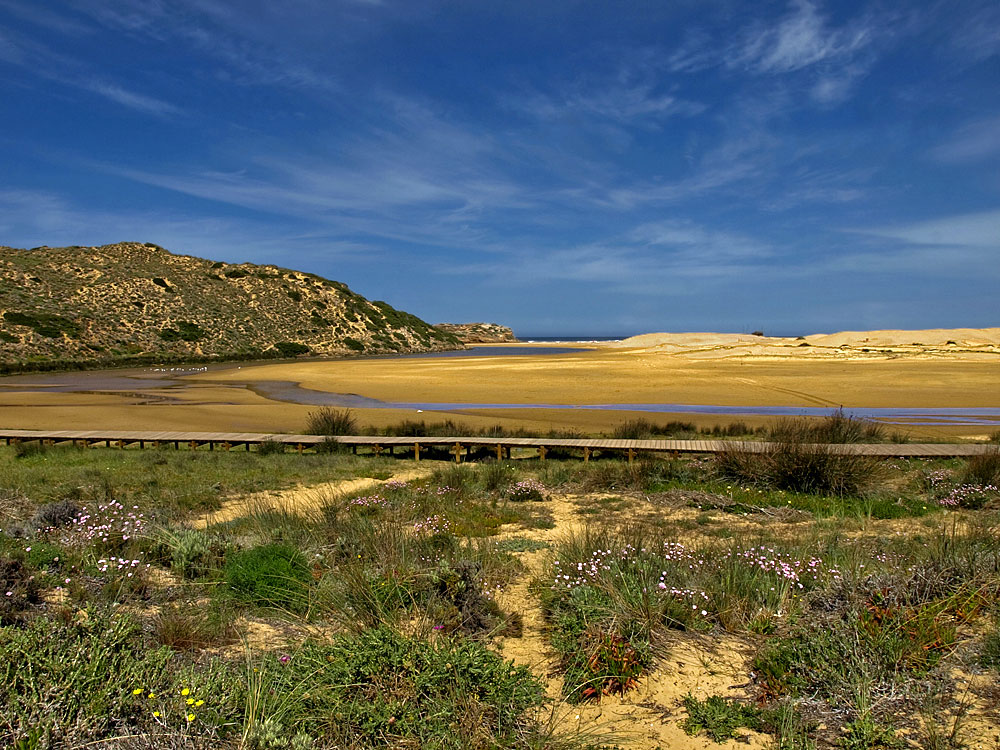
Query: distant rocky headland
x=135 y=303
x=479 y=333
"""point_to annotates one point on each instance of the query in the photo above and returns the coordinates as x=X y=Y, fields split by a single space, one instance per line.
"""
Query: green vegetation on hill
x=133 y=303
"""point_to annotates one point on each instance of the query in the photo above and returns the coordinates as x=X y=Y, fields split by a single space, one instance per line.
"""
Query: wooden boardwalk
x=458 y=446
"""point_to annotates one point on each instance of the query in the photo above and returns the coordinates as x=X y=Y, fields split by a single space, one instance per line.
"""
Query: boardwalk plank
x=685 y=446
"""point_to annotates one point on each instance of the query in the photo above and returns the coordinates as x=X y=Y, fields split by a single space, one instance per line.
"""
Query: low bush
x=497 y=476
x=270 y=447
x=273 y=576
x=291 y=348
x=329 y=421
x=719 y=717
x=983 y=469
x=194 y=627
x=838 y=428
x=797 y=466
x=641 y=428
x=191 y=553
x=648 y=474
x=525 y=490
x=611 y=593
x=381 y=689
x=55 y=515
x=19 y=589
x=990 y=654
x=28 y=449
x=69 y=681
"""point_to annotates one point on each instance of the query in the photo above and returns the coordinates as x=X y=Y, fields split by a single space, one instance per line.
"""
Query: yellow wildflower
x=152 y=695
x=137 y=691
x=156 y=714
x=185 y=691
x=199 y=703
x=190 y=717
x=190 y=701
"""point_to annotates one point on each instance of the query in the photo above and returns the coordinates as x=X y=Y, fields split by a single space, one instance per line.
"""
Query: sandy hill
x=133 y=302
x=937 y=342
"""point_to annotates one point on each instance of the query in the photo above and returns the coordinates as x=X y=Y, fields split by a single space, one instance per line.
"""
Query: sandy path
x=650 y=715
x=300 y=500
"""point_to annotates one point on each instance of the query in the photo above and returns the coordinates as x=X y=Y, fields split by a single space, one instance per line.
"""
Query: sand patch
x=305 y=501
x=650 y=715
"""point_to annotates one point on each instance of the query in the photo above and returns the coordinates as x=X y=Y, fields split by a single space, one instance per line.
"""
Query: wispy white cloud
x=40 y=60
x=47 y=18
x=620 y=103
x=975 y=36
x=242 y=49
x=976 y=230
x=963 y=246
x=971 y=142
x=800 y=40
x=832 y=58
x=651 y=258
x=141 y=102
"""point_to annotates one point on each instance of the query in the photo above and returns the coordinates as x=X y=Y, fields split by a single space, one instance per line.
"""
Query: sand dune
x=937 y=342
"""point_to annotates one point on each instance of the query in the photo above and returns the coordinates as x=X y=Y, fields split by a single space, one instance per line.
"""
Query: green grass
x=174 y=481
x=275 y=576
x=719 y=718
x=844 y=618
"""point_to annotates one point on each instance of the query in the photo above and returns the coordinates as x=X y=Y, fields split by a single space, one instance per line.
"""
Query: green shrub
x=191 y=553
x=865 y=733
x=55 y=515
x=719 y=717
x=990 y=654
x=29 y=448
x=983 y=469
x=274 y=575
x=49 y=326
x=329 y=421
x=270 y=447
x=194 y=627
x=838 y=428
x=185 y=331
x=381 y=689
x=291 y=348
x=645 y=475
x=641 y=429
x=353 y=344
x=496 y=475
x=19 y=589
x=73 y=681
x=794 y=465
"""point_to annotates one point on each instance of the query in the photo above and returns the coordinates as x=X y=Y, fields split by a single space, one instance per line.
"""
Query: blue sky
x=564 y=167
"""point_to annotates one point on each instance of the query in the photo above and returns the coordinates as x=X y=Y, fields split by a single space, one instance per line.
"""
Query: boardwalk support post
x=586 y=454
x=542 y=450
x=416 y=451
x=499 y=451
x=457 y=450
x=631 y=455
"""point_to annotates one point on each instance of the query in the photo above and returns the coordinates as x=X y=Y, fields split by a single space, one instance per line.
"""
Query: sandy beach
x=937 y=368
